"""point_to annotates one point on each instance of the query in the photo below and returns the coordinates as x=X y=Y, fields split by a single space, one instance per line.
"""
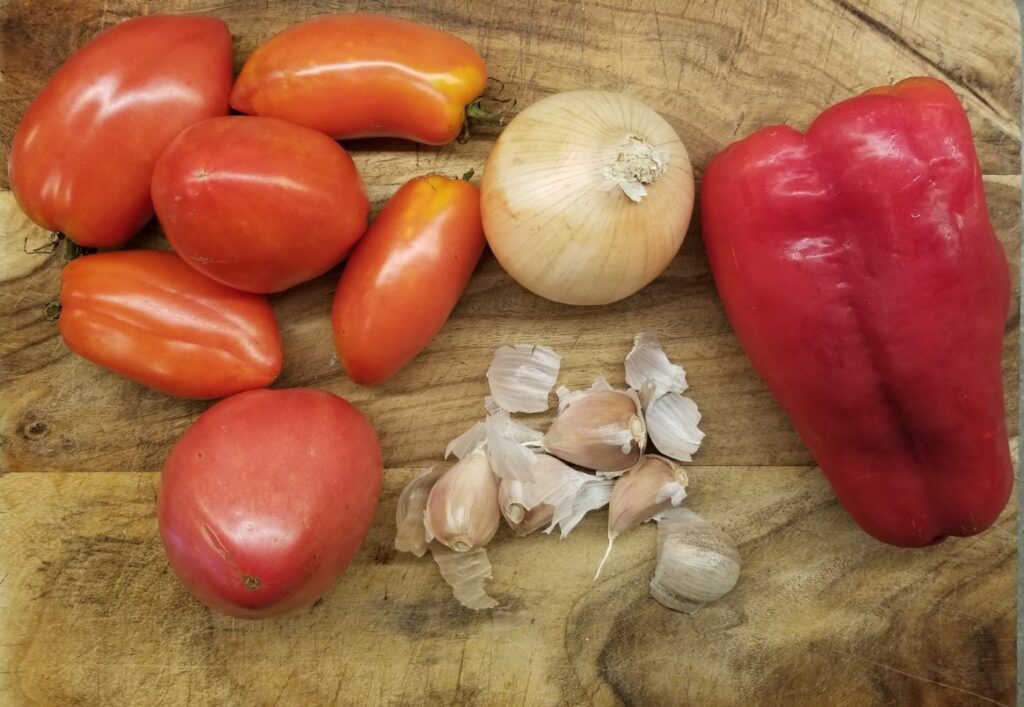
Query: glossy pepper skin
x=83 y=155
x=406 y=275
x=358 y=75
x=859 y=268
x=150 y=317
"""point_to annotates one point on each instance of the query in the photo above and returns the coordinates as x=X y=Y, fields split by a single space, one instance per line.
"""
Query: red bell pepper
x=859 y=268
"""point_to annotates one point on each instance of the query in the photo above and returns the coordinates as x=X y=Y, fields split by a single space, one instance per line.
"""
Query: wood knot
x=34 y=430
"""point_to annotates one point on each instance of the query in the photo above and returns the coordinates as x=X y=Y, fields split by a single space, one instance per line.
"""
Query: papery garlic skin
x=411 y=534
x=586 y=197
x=697 y=562
x=521 y=377
x=512 y=498
x=672 y=423
x=462 y=509
x=601 y=430
x=649 y=371
x=465 y=572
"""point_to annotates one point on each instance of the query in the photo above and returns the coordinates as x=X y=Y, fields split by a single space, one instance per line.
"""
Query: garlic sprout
x=465 y=573
x=697 y=562
x=521 y=377
x=462 y=508
x=586 y=197
x=411 y=535
x=652 y=487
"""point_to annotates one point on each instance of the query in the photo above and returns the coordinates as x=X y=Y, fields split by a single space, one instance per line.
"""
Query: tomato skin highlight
x=406 y=275
x=82 y=157
x=267 y=498
x=258 y=203
x=146 y=315
x=360 y=75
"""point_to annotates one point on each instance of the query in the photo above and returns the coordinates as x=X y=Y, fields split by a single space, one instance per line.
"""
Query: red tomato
x=258 y=203
x=82 y=158
x=148 y=316
x=364 y=76
x=405 y=276
x=267 y=497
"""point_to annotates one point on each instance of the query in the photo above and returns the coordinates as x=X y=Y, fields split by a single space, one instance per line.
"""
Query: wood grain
x=89 y=613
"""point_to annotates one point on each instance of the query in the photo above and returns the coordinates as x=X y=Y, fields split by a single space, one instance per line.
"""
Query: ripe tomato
x=267 y=497
x=258 y=203
x=405 y=276
x=82 y=158
x=364 y=76
x=148 y=316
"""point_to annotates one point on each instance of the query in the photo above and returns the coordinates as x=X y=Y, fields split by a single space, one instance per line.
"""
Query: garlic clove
x=411 y=535
x=510 y=500
x=509 y=456
x=534 y=519
x=467 y=441
x=672 y=423
x=465 y=572
x=648 y=489
x=462 y=508
x=601 y=430
x=697 y=562
x=523 y=519
x=592 y=494
x=649 y=371
x=521 y=377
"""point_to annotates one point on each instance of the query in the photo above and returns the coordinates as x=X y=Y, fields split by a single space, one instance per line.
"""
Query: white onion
x=586 y=197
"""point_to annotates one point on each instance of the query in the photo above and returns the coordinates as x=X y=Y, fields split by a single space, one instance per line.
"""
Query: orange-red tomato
x=364 y=76
x=258 y=203
x=267 y=497
x=405 y=276
x=148 y=316
x=82 y=158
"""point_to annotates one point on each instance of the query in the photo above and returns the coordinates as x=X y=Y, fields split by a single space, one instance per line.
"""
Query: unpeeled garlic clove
x=522 y=519
x=602 y=430
x=462 y=509
x=697 y=562
x=651 y=487
x=411 y=535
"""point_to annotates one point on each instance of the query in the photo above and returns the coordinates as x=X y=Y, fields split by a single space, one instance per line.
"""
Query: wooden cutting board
x=822 y=614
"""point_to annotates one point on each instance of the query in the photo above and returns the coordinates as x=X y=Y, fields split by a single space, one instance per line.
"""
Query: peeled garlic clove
x=465 y=573
x=411 y=535
x=651 y=487
x=462 y=509
x=601 y=430
x=521 y=377
x=672 y=423
x=648 y=369
x=697 y=562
